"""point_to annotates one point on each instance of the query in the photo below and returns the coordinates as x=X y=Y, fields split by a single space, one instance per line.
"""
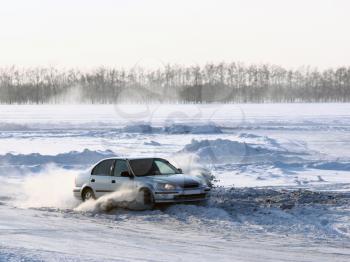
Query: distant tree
x=233 y=82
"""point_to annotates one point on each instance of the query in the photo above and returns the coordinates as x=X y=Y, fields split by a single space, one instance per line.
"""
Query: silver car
x=154 y=179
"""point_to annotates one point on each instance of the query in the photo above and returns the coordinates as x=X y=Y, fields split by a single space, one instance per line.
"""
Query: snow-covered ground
x=282 y=182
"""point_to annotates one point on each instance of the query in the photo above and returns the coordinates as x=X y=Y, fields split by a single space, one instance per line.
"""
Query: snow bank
x=152 y=143
x=228 y=151
x=192 y=129
x=13 y=127
x=331 y=165
x=139 y=128
x=85 y=157
x=173 y=129
x=248 y=135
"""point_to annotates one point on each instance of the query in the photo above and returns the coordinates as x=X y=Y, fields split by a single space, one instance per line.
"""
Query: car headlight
x=166 y=186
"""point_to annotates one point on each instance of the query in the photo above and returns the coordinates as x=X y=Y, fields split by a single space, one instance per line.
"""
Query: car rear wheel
x=88 y=194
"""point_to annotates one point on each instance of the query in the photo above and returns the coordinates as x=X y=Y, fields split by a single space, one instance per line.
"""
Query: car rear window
x=104 y=168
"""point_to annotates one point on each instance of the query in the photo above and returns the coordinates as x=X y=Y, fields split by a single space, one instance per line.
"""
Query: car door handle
x=113 y=181
x=93 y=180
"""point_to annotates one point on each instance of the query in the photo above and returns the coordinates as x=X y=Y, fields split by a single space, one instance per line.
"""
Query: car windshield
x=152 y=167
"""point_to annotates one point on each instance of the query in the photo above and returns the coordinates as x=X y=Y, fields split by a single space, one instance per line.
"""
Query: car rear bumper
x=77 y=192
x=192 y=195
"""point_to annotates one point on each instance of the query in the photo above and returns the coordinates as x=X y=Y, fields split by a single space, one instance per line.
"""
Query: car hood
x=178 y=179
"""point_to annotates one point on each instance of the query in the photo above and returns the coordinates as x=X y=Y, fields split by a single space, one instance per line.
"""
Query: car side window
x=104 y=168
x=120 y=167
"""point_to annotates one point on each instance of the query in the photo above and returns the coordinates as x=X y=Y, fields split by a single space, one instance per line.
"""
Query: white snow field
x=281 y=182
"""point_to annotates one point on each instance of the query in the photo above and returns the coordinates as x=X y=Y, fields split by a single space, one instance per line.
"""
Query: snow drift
x=228 y=151
x=72 y=158
x=173 y=129
x=192 y=129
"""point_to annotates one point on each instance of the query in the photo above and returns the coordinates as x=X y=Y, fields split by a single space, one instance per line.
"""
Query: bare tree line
x=222 y=82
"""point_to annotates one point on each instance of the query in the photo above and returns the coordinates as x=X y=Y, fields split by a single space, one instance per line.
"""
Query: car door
x=119 y=182
x=101 y=178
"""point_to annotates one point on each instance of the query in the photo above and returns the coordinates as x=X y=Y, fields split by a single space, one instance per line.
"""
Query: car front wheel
x=145 y=197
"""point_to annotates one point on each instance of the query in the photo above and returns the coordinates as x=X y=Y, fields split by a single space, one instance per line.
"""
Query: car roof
x=125 y=158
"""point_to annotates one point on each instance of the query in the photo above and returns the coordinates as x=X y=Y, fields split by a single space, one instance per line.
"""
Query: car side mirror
x=180 y=170
x=126 y=174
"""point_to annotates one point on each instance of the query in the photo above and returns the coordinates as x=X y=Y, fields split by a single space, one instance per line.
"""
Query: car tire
x=146 y=198
x=88 y=194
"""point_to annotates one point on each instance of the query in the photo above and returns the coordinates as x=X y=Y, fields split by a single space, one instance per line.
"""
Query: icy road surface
x=282 y=182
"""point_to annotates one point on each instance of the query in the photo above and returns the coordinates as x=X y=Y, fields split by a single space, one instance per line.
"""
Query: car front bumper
x=186 y=195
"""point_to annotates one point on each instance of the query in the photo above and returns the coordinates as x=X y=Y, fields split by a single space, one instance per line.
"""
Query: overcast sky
x=89 y=33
